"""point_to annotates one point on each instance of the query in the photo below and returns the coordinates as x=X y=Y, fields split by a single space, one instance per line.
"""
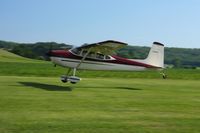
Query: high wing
x=105 y=47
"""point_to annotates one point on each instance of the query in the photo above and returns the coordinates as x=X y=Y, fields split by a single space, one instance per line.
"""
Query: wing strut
x=83 y=58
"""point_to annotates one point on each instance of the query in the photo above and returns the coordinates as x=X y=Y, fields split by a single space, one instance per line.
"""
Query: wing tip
x=158 y=43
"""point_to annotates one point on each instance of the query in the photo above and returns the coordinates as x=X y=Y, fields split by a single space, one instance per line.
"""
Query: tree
x=177 y=62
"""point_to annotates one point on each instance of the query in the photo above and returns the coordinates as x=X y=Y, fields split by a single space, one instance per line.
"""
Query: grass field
x=33 y=100
x=41 y=104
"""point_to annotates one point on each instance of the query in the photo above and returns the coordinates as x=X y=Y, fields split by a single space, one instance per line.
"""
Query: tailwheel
x=164 y=76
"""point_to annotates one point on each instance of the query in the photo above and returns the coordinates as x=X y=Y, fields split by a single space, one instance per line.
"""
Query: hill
x=32 y=50
x=6 y=56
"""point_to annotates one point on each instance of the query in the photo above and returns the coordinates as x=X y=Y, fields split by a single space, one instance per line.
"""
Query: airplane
x=99 y=56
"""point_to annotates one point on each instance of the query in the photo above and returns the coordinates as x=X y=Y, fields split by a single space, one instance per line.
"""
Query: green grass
x=47 y=69
x=100 y=105
x=33 y=100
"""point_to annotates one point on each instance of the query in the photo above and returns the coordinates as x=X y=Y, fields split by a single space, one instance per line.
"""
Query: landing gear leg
x=74 y=72
x=73 y=79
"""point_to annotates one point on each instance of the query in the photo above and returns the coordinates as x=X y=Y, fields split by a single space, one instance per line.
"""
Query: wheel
x=73 y=82
x=64 y=81
x=73 y=79
x=164 y=76
x=64 y=78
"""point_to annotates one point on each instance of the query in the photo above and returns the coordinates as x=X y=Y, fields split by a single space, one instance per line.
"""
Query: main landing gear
x=72 y=79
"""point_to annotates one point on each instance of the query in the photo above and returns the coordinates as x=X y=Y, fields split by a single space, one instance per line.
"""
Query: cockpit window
x=76 y=51
x=107 y=57
x=91 y=55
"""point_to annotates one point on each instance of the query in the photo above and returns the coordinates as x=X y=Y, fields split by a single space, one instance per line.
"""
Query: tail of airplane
x=156 y=55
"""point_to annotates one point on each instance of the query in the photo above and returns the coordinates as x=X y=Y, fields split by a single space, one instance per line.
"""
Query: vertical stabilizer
x=156 y=55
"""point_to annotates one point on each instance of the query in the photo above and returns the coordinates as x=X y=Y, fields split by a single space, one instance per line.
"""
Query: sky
x=175 y=23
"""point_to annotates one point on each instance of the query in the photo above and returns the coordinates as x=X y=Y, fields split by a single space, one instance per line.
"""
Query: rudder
x=156 y=55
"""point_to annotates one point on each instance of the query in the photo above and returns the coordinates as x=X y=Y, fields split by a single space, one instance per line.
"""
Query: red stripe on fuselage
x=117 y=59
x=120 y=60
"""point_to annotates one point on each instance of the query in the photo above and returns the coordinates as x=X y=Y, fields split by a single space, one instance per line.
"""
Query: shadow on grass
x=49 y=87
x=114 y=87
x=46 y=86
x=128 y=88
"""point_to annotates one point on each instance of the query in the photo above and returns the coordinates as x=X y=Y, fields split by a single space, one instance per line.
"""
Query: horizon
x=27 y=43
x=138 y=22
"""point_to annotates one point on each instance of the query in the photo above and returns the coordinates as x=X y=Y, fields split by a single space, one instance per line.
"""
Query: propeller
x=50 y=47
x=49 y=52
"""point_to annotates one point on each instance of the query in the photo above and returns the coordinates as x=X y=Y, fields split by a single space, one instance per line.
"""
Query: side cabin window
x=91 y=55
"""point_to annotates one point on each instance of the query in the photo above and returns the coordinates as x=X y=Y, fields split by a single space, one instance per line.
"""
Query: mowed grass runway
x=99 y=105
x=33 y=100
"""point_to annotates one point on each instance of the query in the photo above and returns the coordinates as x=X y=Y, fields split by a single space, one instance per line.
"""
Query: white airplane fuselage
x=69 y=59
x=94 y=65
